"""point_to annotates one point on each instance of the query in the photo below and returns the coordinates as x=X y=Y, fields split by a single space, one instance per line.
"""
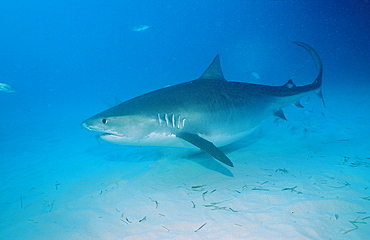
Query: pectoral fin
x=206 y=146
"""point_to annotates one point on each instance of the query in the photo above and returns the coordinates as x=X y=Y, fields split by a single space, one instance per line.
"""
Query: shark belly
x=220 y=128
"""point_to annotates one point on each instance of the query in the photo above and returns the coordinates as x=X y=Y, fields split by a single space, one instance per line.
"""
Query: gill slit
x=171 y=120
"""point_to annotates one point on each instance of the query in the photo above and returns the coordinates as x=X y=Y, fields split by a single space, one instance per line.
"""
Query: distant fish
x=255 y=75
x=7 y=88
x=140 y=28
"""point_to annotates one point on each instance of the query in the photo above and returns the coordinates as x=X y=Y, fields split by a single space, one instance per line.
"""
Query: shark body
x=207 y=113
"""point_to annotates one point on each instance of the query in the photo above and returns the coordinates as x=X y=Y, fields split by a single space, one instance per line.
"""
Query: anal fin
x=206 y=146
x=298 y=104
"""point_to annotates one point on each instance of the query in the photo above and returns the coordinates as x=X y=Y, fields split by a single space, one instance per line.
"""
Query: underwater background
x=307 y=178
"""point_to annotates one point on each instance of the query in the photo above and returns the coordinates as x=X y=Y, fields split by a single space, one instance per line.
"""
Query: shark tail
x=316 y=58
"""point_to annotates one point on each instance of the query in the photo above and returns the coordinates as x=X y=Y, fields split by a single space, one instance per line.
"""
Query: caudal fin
x=316 y=58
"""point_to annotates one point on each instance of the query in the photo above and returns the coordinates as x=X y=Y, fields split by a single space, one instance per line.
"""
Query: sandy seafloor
x=308 y=178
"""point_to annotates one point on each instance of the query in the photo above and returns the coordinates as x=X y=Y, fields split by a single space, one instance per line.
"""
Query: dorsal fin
x=214 y=71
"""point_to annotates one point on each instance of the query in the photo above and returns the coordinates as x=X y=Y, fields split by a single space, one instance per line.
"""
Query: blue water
x=69 y=60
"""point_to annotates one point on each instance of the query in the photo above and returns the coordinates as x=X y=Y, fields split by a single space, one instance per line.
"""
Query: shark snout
x=93 y=125
x=89 y=125
x=85 y=125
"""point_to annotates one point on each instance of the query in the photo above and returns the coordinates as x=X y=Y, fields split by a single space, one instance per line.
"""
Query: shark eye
x=104 y=121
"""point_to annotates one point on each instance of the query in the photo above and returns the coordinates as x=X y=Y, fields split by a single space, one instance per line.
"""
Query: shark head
x=131 y=128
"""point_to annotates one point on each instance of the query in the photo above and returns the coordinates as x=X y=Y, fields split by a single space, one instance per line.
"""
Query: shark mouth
x=110 y=137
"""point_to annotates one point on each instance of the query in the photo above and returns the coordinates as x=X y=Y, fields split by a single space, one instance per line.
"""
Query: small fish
x=255 y=75
x=200 y=227
x=7 y=88
x=140 y=28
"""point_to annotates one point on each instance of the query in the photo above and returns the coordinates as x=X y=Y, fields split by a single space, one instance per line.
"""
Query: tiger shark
x=208 y=113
